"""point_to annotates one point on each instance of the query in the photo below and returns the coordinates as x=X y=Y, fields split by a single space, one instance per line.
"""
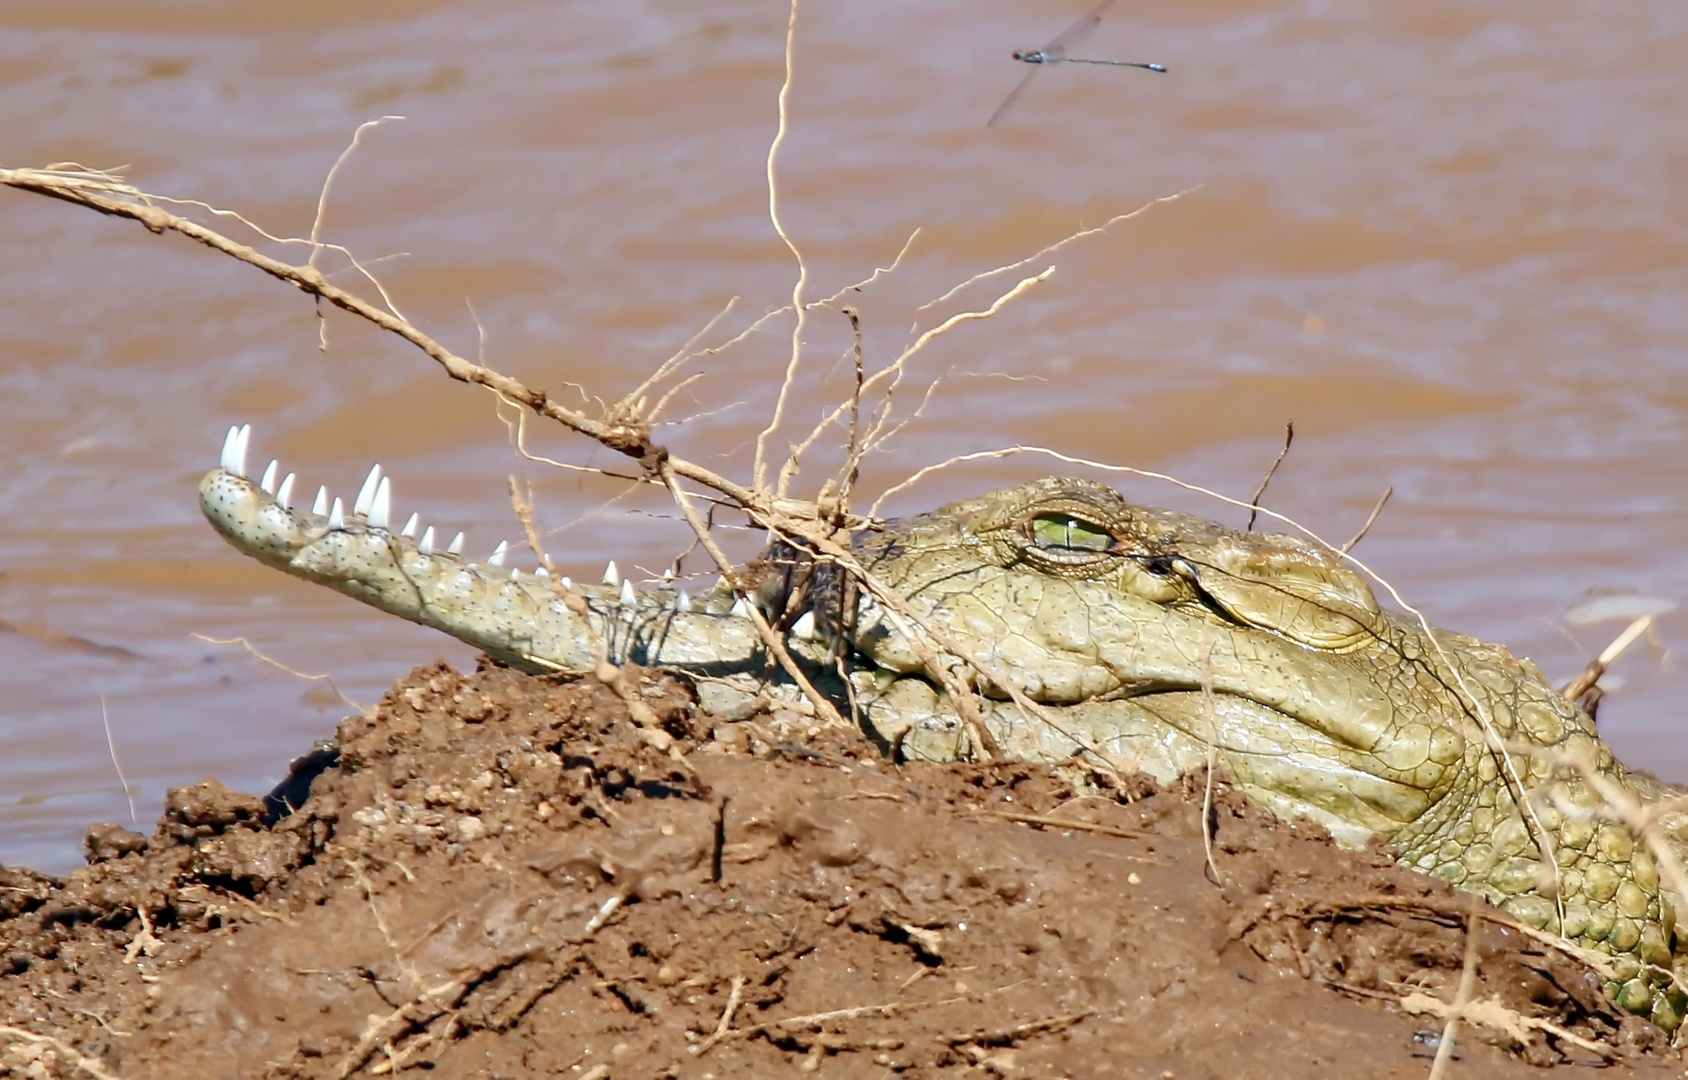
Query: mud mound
x=502 y=876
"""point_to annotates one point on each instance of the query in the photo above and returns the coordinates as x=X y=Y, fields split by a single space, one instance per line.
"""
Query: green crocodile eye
x=1062 y=533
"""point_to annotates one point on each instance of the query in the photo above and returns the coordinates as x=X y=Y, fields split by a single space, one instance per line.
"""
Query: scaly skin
x=1112 y=617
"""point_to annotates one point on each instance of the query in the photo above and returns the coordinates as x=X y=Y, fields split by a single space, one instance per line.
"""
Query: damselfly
x=1056 y=53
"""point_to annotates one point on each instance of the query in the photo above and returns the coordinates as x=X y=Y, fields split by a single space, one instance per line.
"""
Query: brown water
x=1449 y=242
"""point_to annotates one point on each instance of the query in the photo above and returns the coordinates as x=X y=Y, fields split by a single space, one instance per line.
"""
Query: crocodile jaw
x=525 y=619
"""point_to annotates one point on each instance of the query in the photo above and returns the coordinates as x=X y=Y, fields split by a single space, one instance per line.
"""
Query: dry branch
x=110 y=196
x=1254 y=503
x=759 y=469
x=1462 y=997
x=1371 y=519
x=1590 y=676
x=259 y=655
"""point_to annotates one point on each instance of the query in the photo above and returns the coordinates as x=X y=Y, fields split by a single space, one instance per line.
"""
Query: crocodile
x=1078 y=626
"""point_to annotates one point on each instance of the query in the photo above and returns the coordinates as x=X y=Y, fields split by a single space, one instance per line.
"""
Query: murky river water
x=1450 y=242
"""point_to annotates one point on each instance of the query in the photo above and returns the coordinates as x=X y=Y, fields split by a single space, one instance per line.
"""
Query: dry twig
x=1272 y=470
x=725 y=1025
x=1065 y=823
x=278 y=665
x=1467 y=987
x=1208 y=712
x=111 y=744
x=1590 y=676
x=759 y=469
x=1371 y=518
x=1490 y=1013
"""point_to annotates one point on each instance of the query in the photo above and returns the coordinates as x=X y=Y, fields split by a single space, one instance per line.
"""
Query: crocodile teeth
x=566 y=582
x=381 y=508
x=426 y=547
x=284 y=493
x=240 y=449
x=668 y=576
x=542 y=572
x=228 y=447
x=268 y=482
x=515 y=573
x=456 y=546
x=366 y=494
x=337 y=516
x=739 y=608
x=804 y=628
x=234 y=449
x=627 y=598
x=612 y=576
x=320 y=507
x=410 y=526
x=682 y=602
x=498 y=553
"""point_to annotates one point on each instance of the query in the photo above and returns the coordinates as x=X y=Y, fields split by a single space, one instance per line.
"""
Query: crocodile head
x=1138 y=636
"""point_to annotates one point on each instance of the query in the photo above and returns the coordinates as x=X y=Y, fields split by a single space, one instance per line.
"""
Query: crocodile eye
x=1058 y=532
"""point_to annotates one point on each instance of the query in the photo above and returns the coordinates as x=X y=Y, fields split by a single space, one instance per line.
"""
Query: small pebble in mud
x=1426 y=1041
x=470 y=828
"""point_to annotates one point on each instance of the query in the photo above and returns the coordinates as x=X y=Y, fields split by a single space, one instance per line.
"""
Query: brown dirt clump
x=503 y=876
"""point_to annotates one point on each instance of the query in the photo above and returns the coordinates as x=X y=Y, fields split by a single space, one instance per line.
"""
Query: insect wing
x=1054 y=51
x=1013 y=96
x=1077 y=32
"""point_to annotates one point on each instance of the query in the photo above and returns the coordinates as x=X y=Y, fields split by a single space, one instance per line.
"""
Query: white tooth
x=238 y=459
x=542 y=572
x=410 y=526
x=498 y=553
x=426 y=547
x=612 y=576
x=627 y=593
x=366 y=494
x=682 y=602
x=226 y=462
x=336 y=517
x=456 y=545
x=804 y=628
x=668 y=575
x=566 y=582
x=320 y=507
x=268 y=482
x=284 y=493
x=381 y=508
x=739 y=608
x=515 y=573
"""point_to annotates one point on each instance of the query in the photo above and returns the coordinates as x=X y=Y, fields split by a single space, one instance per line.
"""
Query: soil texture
x=503 y=876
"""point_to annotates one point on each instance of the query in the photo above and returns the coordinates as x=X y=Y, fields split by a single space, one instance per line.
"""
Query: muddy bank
x=502 y=876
